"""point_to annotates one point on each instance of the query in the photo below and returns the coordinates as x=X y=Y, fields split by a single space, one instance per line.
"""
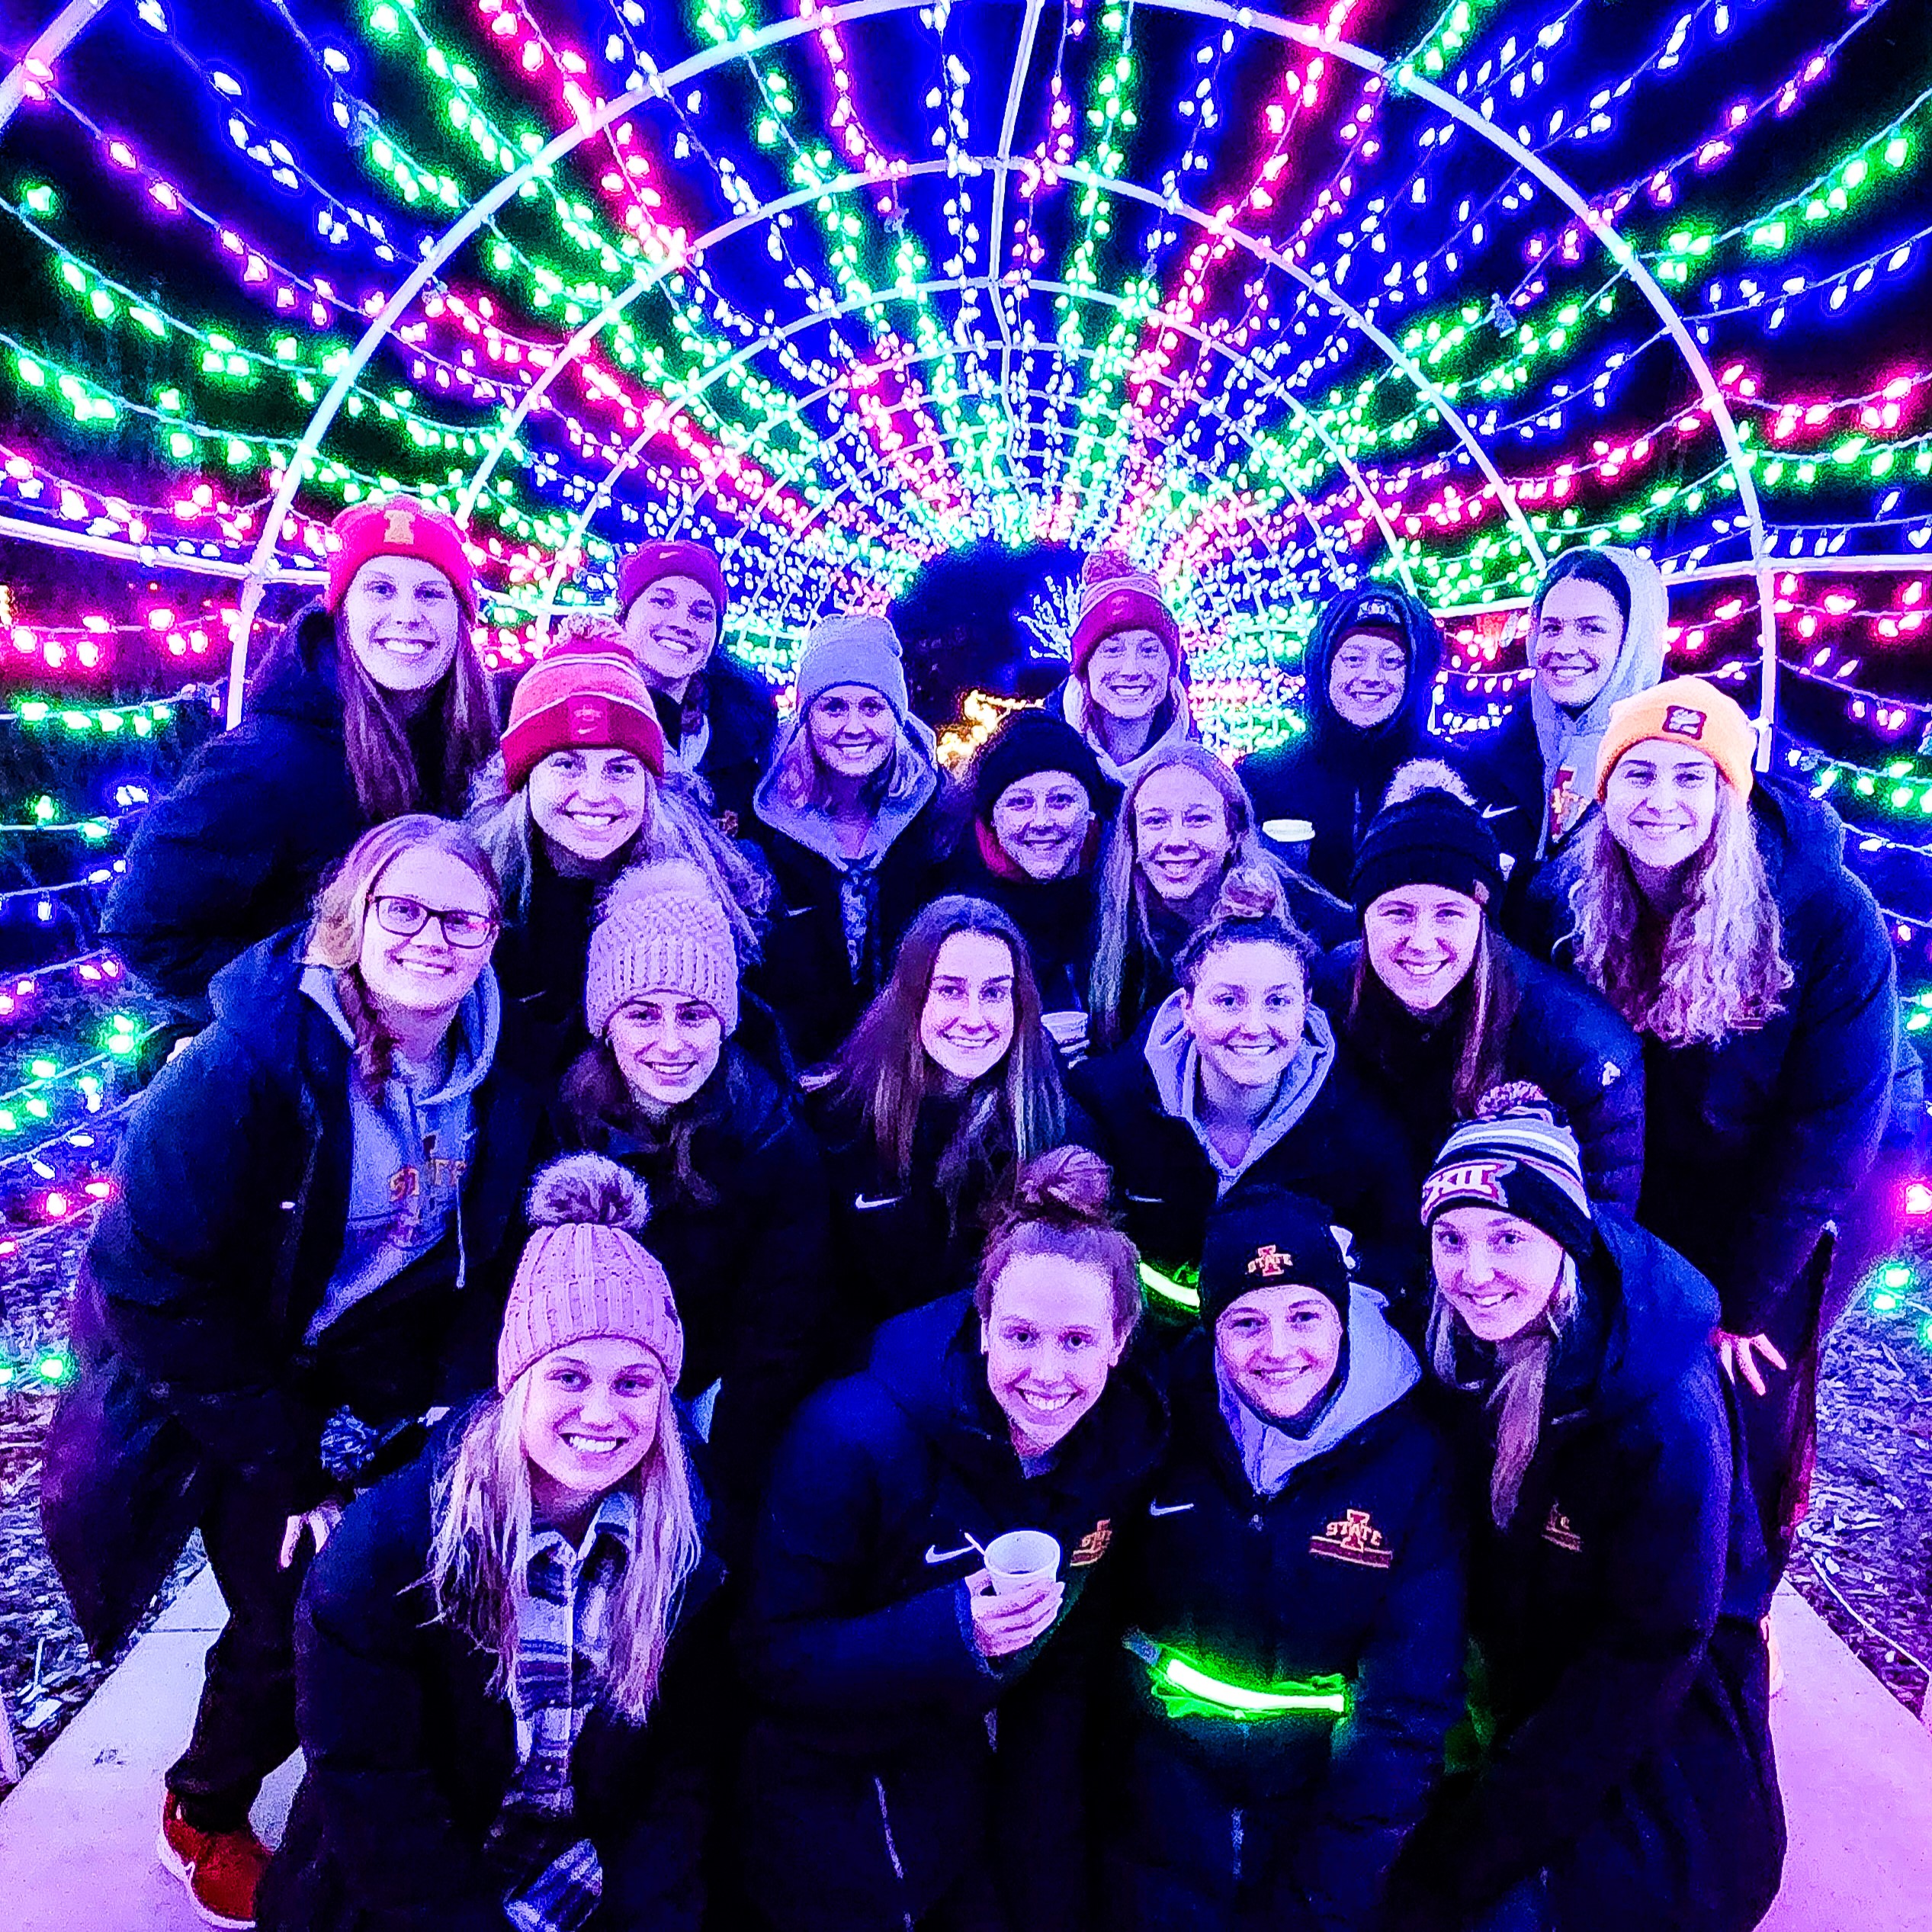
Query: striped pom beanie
x=586 y=691
x=663 y=931
x=1115 y=596
x=1516 y=1155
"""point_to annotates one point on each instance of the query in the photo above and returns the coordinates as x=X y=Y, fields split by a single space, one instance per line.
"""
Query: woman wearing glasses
x=308 y=1197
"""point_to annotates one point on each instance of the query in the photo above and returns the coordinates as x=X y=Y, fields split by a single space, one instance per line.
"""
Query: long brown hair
x=1480 y=1011
x=598 y=1101
x=342 y=911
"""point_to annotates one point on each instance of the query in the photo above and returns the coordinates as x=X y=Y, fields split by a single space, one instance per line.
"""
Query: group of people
x=646 y=1199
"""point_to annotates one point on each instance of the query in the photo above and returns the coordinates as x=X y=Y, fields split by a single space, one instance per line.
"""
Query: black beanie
x=1264 y=1236
x=1431 y=839
x=1035 y=740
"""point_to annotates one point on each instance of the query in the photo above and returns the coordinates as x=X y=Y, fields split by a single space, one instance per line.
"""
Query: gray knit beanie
x=852 y=649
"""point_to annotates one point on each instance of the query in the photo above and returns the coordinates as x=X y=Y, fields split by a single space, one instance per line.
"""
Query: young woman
x=1292 y=1601
x=1372 y=667
x=737 y=1187
x=1042 y=806
x=947 y=1083
x=1616 y=1579
x=860 y=826
x=1126 y=696
x=504 y=1657
x=1433 y=1007
x=1237 y=1075
x=372 y=704
x=306 y=1215
x=1713 y=910
x=873 y=1796
x=584 y=793
x=718 y=718
x=1596 y=636
x=1185 y=822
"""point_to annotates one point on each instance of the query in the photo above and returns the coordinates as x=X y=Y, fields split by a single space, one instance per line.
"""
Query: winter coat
x=1352 y=1569
x=1564 y=1037
x=210 y=1260
x=1054 y=917
x=748 y=1264
x=410 y=1753
x=1618 y=1616
x=730 y=749
x=1335 y=775
x=1173 y=725
x=872 y=1784
x=236 y=850
x=1753 y=1145
x=807 y=974
x=1335 y=1141
x=540 y=960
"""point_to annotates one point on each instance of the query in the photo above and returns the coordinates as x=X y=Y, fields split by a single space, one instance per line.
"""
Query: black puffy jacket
x=1564 y=1037
x=1054 y=917
x=743 y=717
x=1618 y=1615
x=872 y=1784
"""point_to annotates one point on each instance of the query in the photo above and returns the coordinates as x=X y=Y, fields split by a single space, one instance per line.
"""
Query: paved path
x=77 y=1838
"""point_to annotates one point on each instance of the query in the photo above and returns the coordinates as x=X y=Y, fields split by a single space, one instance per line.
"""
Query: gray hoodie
x=410 y=1148
x=1175 y=1062
x=1381 y=1370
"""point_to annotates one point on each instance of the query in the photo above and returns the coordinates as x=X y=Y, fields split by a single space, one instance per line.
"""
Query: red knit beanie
x=645 y=565
x=1115 y=596
x=585 y=690
x=398 y=526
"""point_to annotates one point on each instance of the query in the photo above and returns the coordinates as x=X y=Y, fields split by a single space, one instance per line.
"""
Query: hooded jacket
x=1564 y=1038
x=837 y=921
x=410 y=1753
x=1618 y=1615
x=1325 y=1136
x=872 y=1785
x=1336 y=775
x=730 y=745
x=235 y=851
x=1174 y=725
x=1351 y=1568
x=228 y=1222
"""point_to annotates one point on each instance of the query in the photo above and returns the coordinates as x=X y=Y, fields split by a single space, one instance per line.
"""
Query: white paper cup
x=1019 y=1558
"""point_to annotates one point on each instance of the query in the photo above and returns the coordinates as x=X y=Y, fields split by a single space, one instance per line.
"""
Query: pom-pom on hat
x=1026 y=743
x=671 y=558
x=1427 y=832
x=1116 y=596
x=583 y=1273
x=1684 y=711
x=398 y=526
x=1264 y=1236
x=852 y=649
x=663 y=931
x=1518 y=1156
x=585 y=690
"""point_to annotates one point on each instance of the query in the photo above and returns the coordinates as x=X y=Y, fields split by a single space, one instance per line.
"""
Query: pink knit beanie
x=663 y=931
x=583 y=1273
x=1115 y=596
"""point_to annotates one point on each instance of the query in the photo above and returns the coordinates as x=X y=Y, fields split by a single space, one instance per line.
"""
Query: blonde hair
x=479 y=1549
x=1719 y=967
x=798 y=779
x=342 y=912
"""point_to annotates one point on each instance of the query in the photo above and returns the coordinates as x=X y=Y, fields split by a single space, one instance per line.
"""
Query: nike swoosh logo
x=864 y=1203
x=935 y=1556
x=799 y=912
x=1497 y=811
x=1148 y=1200
x=1169 y=1509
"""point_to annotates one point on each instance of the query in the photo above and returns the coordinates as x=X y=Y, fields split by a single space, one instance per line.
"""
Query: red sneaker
x=221 y=1869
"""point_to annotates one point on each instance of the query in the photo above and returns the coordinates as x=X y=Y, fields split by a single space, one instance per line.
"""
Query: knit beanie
x=1115 y=596
x=852 y=649
x=1429 y=836
x=1367 y=608
x=584 y=1274
x=663 y=931
x=1685 y=711
x=1518 y=1156
x=1029 y=742
x=398 y=526
x=644 y=566
x=585 y=690
x=1264 y=1236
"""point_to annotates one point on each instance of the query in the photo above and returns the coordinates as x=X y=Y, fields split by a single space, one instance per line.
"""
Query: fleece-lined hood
x=1381 y=746
x=813 y=828
x=1174 y=1061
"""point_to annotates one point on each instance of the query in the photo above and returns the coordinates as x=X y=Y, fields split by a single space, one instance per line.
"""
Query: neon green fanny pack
x=1177 y=1293
x=1186 y=1690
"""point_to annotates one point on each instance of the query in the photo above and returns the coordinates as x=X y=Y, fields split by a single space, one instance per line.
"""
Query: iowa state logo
x=1557 y=1531
x=1482 y=1179
x=1683 y=722
x=1093 y=1545
x=1269 y=1262
x=1353 y=1539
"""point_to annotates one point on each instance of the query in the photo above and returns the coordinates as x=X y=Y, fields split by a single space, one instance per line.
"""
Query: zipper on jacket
x=1238 y=1834
x=892 y=1847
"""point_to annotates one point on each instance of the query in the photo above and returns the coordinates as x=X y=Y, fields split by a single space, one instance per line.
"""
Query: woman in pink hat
x=1126 y=696
x=370 y=703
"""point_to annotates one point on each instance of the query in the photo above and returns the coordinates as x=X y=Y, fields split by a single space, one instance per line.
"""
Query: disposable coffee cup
x=1020 y=1558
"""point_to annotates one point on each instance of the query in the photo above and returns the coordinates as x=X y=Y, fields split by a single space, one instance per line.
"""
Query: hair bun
x=589 y=1189
x=1251 y=892
x=1519 y=1097
x=1103 y=566
x=1421 y=775
x=1070 y=1184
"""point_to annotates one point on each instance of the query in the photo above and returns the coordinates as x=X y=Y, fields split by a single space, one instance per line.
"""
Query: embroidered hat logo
x=589 y=720
x=1481 y=1180
x=1269 y=1262
x=399 y=526
x=1684 y=721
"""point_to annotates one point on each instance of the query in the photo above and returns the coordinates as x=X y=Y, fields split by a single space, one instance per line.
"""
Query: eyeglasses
x=460 y=927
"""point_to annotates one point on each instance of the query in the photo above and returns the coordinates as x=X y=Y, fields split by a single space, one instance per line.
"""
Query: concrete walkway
x=77 y=1838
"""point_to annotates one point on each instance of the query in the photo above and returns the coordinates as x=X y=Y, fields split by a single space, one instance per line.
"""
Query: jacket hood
x=1178 y=730
x=298 y=677
x=255 y=995
x=813 y=829
x=1172 y=1059
x=1330 y=734
x=478 y=1021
